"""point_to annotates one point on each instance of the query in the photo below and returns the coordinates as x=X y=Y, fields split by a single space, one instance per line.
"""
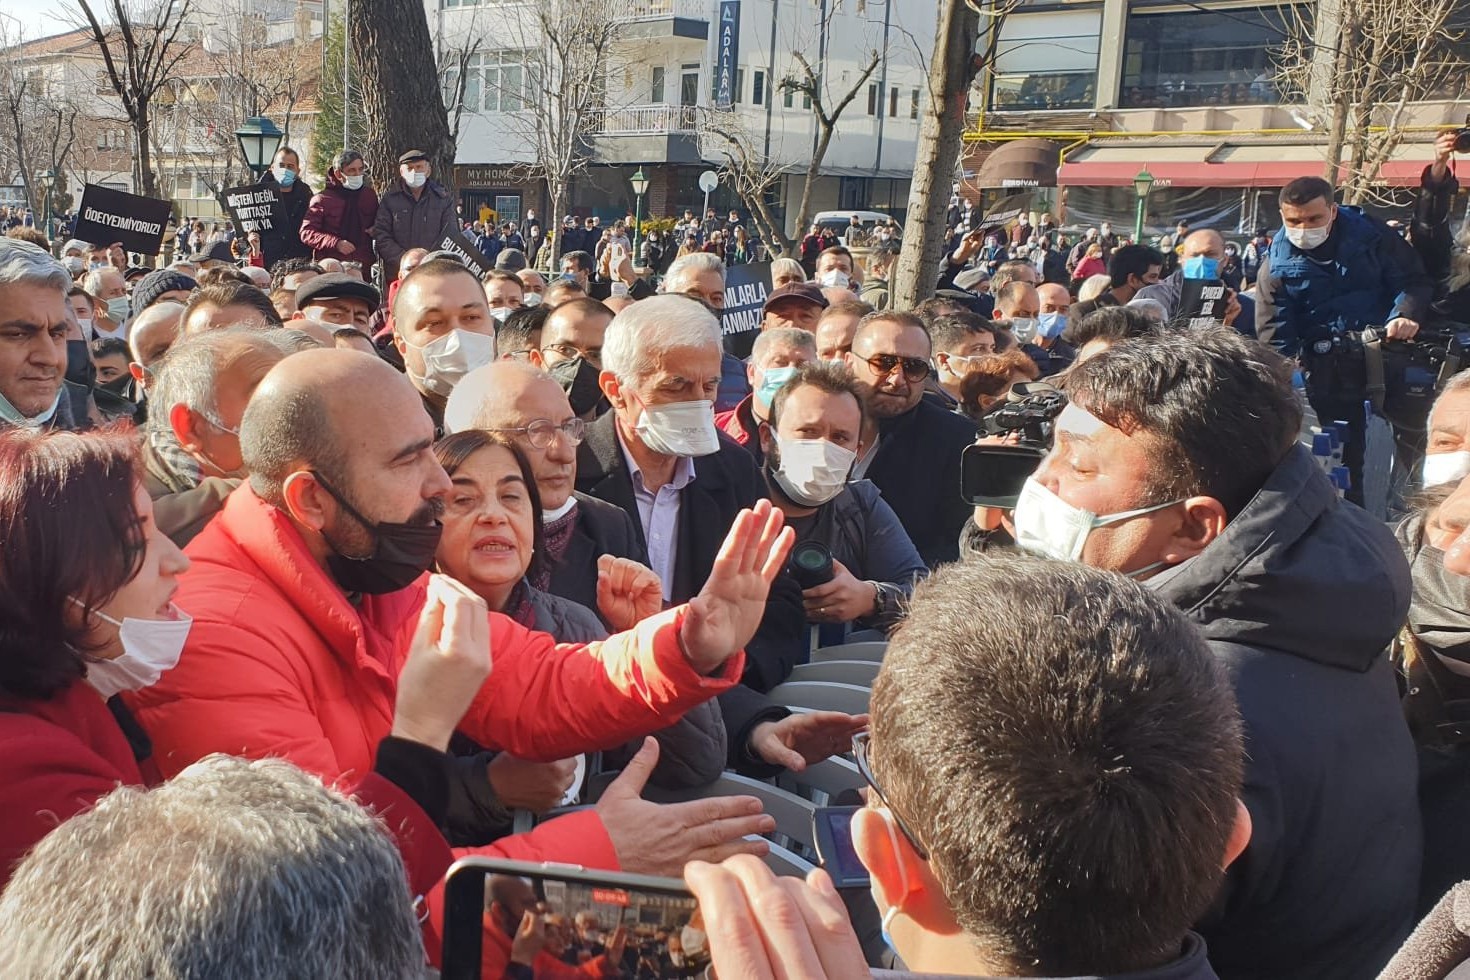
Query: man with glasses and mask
x=571 y=351
x=1177 y=461
x=442 y=328
x=913 y=445
x=525 y=403
x=659 y=456
x=1004 y=837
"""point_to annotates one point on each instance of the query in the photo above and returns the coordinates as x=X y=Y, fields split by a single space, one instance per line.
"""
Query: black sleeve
x=1430 y=232
x=474 y=814
x=743 y=709
x=420 y=771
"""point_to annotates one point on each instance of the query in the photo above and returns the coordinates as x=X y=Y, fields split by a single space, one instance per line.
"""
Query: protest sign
x=746 y=289
x=456 y=242
x=255 y=207
x=136 y=223
x=1201 y=301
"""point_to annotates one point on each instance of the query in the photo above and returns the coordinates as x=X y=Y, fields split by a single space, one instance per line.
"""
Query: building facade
x=675 y=61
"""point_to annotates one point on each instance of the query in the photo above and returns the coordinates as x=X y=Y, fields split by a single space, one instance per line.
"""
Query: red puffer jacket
x=337 y=215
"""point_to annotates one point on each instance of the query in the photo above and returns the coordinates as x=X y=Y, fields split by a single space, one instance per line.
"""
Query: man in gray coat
x=414 y=214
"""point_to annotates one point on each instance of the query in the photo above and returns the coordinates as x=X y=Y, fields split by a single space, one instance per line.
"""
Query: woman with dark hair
x=492 y=543
x=86 y=613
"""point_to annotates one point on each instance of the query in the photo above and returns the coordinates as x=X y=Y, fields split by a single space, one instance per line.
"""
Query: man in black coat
x=294 y=194
x=915 y=446
x=659 y=457
x=1177 y=462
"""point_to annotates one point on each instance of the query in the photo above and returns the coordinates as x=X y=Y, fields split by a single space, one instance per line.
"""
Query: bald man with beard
x=1206 y=243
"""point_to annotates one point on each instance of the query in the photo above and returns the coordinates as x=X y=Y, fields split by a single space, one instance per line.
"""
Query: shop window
x=1202 y=58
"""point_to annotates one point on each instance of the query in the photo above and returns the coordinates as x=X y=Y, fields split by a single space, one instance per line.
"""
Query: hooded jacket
x=328 y=221
x=1299 y=597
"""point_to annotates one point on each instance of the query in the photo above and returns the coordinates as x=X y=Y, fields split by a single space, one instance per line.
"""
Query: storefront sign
x=488 y=176
x=727 y=54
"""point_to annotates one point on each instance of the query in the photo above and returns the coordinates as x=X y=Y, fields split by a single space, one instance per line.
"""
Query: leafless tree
x=1357 y=67
x=40 y=123
x=724 y=134
x=141 y=43
x=457 y=68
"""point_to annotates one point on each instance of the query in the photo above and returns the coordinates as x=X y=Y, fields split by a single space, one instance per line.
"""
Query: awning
x=1262 y=164
x=1017 y=164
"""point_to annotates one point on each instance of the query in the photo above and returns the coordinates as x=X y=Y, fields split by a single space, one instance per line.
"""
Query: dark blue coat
x=1363 y=276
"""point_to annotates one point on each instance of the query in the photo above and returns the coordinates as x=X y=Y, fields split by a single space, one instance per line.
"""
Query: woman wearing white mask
x=87 y=615
x=811 y=442
x=339 y=220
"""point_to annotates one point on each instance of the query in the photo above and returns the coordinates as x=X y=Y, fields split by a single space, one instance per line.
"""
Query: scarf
x=1439 y=612
x=174 y=467
x=518 y=606
x=557 y=534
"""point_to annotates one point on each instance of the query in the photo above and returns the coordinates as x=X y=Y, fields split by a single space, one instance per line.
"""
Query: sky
x=39 y=18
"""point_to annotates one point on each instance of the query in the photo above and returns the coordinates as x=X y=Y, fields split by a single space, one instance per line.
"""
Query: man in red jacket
x=339 y=221
x=306 y=590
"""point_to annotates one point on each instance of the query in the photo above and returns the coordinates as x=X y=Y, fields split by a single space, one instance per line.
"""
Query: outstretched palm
x=727 y=611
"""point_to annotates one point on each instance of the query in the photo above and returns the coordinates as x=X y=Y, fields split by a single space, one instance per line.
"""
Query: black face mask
x=118 y=385
x=79 y=367
x=402 y=553
x=578 y=378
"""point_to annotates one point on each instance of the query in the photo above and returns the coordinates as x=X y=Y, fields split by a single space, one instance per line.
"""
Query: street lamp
x=1142 y=184
x=639 y=181
x=259 y=139
x=47 y=178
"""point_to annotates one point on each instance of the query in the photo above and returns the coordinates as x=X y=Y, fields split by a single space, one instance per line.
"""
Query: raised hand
x=627 y=592
x=448 y=660
x=799 y=740
x=529 y=939
x=727 y=611
x=660 y=838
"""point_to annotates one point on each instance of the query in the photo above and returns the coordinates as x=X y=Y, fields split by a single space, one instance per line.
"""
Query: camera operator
x=1432 y=236
x=810 y=442
x=1177 y=461
x=1331 y=272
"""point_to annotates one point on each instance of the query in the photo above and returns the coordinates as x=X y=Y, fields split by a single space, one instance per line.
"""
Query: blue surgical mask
x=771 y=383
x=1201 y=267
x=285 y=176
x=1049 y=326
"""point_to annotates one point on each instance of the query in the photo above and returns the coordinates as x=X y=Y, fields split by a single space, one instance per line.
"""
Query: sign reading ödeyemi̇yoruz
x=136 y=223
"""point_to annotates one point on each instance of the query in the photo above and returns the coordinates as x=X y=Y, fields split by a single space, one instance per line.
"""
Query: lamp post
x=639 y=181
x=259 y=139
x=47 y=178
x=1142 y=184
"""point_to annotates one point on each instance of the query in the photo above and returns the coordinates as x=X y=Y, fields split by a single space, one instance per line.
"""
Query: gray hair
x=781 y=337
x=232 y=870
x=681 y=274
x=92 y=281
x=1094 y=286
x=654 y=325
x=189 y=373
x=345 y=158
x=789 y=268
x=22 y=263
x=1458 y=382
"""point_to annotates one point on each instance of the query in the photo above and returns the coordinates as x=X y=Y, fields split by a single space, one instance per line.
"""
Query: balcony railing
x=646 y=120
x=654 y=9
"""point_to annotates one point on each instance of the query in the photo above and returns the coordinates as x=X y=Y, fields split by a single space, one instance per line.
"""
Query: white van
x=841 y=221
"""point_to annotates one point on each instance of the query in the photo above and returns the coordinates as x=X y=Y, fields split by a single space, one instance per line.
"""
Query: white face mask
x=86 y=326
x=833 y=278
x=694 y=941
x=150 y=647
x=679 y=428
x=1442 y=468
x=451 y=357
x=352 y=183
x=812 y=471
x=1024 y=329
x=501 y=312
x=1308 y=238
x=532 y=299
x=1049 y=526
x=119 y=309
x=415 y=178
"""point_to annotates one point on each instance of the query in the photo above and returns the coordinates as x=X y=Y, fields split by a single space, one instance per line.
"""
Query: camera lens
x=811 y=564
x=1462 y=141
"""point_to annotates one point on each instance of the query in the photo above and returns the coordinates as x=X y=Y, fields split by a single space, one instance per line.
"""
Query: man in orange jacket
x=307 y=588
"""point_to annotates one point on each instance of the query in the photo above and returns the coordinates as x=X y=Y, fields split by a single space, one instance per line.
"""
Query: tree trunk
x=941 y=138
x=394 y=57
x=803 y=213
x=146 y=181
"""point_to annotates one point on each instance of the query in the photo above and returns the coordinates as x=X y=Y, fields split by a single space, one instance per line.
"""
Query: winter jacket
x=338 y=214
x=740 y=424
x=1363 y=276
x=285 y=242
x=403 y=223
x=1298 y=598
x=916 y=465
x=60 y=755
x=1434 y=240
x=601 y=529
x=864 y=534
x=181 y=511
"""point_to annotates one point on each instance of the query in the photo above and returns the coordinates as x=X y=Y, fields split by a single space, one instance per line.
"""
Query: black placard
x=255 y=207
x=136 y=223
x=456 y=242
x=746 y=289
x=1201 y=302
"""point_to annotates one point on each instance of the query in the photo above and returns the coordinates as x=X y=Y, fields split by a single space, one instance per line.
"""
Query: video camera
x=1462 y=138
x=992 y=476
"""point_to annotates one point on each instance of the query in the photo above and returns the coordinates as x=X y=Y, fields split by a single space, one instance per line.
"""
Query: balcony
x=658 y=133
x=643 y=19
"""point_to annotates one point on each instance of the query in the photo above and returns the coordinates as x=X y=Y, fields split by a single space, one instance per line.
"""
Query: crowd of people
x=308 y=588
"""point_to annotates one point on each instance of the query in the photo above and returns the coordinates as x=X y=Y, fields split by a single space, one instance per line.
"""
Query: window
x=656 y=94
x=872 y=100
x=893 y=102
x=806 y=100
x=1202 y=58
x=914 y=104
x=1047 y=61
x=508 y=207
x=495 y=81
x=739 y=88
x=758 y=88
x=788 y=97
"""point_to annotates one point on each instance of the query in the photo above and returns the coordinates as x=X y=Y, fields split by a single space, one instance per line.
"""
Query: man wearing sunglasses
x=1005 y=837
x=916 y=444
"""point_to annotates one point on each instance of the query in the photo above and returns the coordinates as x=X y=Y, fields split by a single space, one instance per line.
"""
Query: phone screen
x=833 y=825
x=639 y=925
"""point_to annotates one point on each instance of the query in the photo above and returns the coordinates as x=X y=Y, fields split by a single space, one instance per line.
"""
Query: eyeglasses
x=540 y=432
x=865 y=769
x=915 y=369
x=568 y=352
